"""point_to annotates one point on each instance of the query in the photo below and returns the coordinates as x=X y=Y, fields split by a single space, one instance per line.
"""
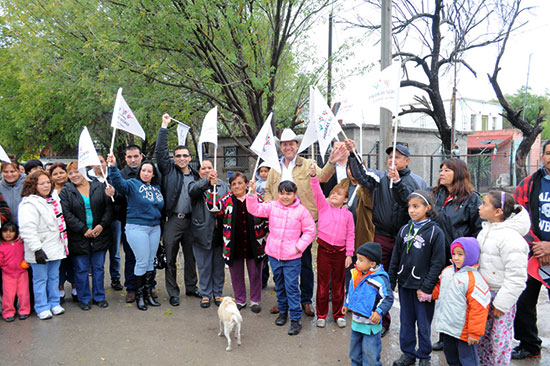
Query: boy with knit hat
x=369 y=298
x=463 y=304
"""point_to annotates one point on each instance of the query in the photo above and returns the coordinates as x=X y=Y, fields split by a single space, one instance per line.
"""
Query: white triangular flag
x=383 y=88
x=264 y=145
x=209 y=131
x=310 y=136
x=4 y=156
x=124 y=119
x=183 y=130
x=87 y=155
x=325 y=123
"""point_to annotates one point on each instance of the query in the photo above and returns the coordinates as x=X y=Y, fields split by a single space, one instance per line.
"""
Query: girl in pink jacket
x=291 y=231
x=336 y=243
x=15 y=278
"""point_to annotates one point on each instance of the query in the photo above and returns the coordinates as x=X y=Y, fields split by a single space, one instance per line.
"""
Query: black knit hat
x=371 y=250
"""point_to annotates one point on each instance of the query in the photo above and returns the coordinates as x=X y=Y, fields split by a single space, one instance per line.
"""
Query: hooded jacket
x=388 y=213
x=260 y=183
x=372 y=293
x=39 y=229
x=74 y=212
x=421 y=265
x=12 y=194
x=503 y=258
x=291 y=228
x=463 y=297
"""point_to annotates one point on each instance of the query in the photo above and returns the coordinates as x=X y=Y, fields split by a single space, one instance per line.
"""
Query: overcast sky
x=531 y=39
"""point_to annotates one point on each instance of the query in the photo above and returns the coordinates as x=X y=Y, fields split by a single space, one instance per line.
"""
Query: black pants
x=525 y=323
x=129 y=262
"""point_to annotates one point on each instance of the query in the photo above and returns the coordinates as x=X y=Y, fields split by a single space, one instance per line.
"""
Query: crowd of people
x=458 y=262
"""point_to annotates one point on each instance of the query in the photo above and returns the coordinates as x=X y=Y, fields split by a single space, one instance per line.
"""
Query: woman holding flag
x=145 y=203
x=88 y=214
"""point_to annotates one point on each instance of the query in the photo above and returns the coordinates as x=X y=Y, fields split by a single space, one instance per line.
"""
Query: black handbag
x=160 y=258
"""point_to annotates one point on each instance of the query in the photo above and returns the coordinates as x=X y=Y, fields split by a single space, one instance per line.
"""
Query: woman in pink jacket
x=291 y=230
x=336 y=242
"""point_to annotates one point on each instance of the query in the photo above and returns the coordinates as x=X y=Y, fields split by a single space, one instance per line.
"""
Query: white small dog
x=229 y=318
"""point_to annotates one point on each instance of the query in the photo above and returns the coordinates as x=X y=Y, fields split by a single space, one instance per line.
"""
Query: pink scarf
x=60 y=222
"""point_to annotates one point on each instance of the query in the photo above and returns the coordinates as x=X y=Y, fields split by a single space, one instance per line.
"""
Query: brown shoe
x=130 y=297
x=274 y=310
x=308 y=310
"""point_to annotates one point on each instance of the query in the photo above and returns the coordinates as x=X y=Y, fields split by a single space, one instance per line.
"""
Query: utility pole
x=526 y=88
x=329 y=71
x=453 y=112
x=385 y=60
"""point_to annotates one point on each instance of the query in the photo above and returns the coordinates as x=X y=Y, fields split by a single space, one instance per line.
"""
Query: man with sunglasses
x=176 y=176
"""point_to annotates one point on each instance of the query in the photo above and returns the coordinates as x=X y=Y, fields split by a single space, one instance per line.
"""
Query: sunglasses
x=182 y=156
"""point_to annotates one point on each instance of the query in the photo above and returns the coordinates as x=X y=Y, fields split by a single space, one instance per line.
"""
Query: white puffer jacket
x=39 y=229
x=503 y=258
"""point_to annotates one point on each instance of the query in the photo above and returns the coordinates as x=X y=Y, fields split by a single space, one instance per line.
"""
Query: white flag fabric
x=209 y=131
x=124 y=119
x=264 y=145
x=4 y=156
x=183 y=130
x=383 y=88
x=323 y=125
x=86 y=151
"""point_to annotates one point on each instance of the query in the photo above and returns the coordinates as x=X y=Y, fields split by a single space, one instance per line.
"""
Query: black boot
x=149 y=299
x=140 y=290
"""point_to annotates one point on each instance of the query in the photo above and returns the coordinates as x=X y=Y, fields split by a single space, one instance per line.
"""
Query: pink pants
x=16 y=286
x=495 y=347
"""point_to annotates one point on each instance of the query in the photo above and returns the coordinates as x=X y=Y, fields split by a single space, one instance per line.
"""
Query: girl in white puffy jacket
x=503 y=264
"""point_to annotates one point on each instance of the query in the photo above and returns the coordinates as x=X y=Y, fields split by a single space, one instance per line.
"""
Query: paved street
x=187 y=335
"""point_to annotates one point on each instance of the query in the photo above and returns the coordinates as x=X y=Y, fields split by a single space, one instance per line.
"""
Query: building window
x=484 y=122
x=473 y=122
x=230 y=157
x=494 y=123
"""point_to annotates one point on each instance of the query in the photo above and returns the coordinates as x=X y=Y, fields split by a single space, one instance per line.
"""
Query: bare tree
x=434 y=36
x=529 y=129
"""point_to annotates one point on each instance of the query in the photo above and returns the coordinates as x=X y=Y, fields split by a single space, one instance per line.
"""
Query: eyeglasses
x=182 y=156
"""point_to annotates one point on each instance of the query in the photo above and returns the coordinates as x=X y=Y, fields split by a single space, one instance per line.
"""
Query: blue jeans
x=459 y=353
x=416 y=319
x=306 y=277
x=144 y=241
x=114 y=251
x=66 y=271
x=45 y=284
x=285 y=275
x=82 y=265
x=365 y=349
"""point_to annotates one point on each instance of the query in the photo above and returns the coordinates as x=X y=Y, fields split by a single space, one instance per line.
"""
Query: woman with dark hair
x=88 y=213
x=207 y=235
x=457 y=204
x=42 y=228
x=145 y=203
x=58 y=171
x=243 y=241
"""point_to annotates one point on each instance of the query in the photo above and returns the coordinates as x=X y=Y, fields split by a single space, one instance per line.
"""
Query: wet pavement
x=187 y=335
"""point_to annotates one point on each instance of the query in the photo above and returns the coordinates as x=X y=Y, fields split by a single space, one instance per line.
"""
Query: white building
x=471 y=115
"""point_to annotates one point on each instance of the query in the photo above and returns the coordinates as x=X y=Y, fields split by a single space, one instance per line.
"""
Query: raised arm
x=318 y=195
x=118 y=182
x=161 y=148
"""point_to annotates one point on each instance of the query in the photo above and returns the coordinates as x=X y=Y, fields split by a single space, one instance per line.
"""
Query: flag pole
x=113 y=140
x=393 y=150
x=354 y=151
x=175 y=120
x=254 y=171
x=215 y=169
x=106 y=182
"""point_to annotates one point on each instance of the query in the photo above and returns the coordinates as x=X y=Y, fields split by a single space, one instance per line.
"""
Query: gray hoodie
x=12 y=195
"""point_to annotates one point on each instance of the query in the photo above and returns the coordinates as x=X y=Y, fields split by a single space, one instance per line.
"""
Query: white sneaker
x=58 y=310
x=321 y=323
x=341 y=322
x=46 y=314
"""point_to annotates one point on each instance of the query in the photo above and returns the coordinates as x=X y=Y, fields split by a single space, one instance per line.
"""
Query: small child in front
x=15 y=278
x=369 y=298
x=291 y=231
x=462 y=305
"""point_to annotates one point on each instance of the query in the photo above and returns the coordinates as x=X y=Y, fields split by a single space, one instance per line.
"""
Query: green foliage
x=532 y=104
